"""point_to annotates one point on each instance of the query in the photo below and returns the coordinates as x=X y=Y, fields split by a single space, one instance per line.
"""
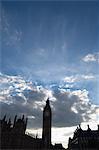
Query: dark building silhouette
x=47 y=118
x=13 y=135
x=84 y=139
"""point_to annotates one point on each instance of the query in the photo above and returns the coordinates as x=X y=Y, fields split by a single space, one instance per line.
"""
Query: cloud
x=70 y=79
x=69 y=107
x=19 y=97
x=78 y=78
x=73 y=107
x=91 y=58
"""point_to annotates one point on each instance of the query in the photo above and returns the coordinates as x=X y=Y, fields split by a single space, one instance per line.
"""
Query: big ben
x=47 y=117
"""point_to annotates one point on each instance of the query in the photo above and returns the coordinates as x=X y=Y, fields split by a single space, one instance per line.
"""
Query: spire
x=26 y=123
x=4 y=118
x=79 y=126
x=47 y=102
x=9 y=122
x=88 y=128
x=23 y=118
x=15 y=120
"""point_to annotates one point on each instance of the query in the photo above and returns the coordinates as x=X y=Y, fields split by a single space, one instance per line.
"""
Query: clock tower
x=47 y=117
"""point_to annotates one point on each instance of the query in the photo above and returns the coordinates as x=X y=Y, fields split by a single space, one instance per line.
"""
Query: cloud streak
x=11 y=36
x=77 y=78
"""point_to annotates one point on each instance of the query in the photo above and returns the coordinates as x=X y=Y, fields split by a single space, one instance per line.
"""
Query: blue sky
x=45 y=35
x=54 y=46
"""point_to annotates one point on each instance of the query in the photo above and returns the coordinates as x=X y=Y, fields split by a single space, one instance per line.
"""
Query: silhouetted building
x=13 y=135
x=47 y=118
x=84 y=139
x=58 y=146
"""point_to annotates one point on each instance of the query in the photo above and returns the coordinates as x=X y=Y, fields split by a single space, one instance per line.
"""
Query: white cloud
x=12 y=86
x=62 y=134
x=82 y=94
x=88 y=77
x=91 y=58
x=77 y=78
x=74 y=109
x=69 y=107
x=70 y=79
x=14 y=89
x=31 y=117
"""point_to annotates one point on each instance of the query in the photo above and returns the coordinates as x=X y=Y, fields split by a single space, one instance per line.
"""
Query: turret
x=88 y=128
x=23 y=118
x=9 y=123
x=25 y=123
x=4 y=118
x=15 y=120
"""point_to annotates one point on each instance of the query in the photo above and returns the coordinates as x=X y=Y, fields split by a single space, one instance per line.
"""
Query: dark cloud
x=63 y=115
x=35 y=95
x=19 y=109
x=69 y=108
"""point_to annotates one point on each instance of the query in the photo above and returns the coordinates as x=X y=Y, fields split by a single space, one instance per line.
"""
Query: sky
x=50 y=49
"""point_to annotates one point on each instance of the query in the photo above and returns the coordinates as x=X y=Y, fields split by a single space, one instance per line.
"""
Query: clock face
x=47 y=113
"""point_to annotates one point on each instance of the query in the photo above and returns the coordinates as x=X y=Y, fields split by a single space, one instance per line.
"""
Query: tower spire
x=47 y=102
x=47 y=118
